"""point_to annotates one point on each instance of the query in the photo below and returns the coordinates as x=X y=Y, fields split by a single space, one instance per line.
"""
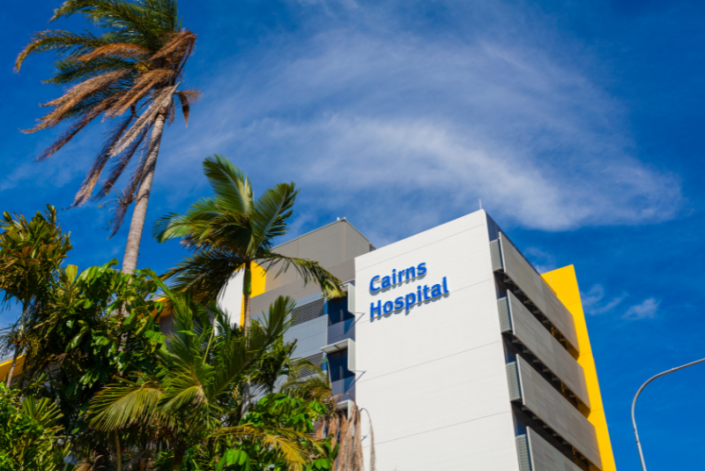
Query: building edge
x=564 y=282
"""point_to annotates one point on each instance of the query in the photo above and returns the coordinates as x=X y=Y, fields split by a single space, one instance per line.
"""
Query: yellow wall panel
x=259 y=286
x=564 y=283
x=5 y=368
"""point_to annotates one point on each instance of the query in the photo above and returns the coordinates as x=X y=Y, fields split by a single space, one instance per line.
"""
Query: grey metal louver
x=309 y=311
x=496 y=251
x=505 y=319
x=524 y=453
x=514 y=384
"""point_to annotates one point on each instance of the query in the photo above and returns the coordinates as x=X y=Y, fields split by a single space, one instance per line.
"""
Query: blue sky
x=578 y=124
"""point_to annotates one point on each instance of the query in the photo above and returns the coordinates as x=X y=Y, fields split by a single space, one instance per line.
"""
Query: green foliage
x=31 y=252
x=29 y=434
x=279 y=411
x=192 y=396
x=97 y=325
x=233 y=229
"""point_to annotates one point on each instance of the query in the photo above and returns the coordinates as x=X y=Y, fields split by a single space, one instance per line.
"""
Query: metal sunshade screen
x=505 y=320
x=544 y=346
x=513 y=380
x=316 y=359
x=546 y=457
x=541 y=295
x=309 y=311
x=523 y=452
x=557 y=413
x=496 y=251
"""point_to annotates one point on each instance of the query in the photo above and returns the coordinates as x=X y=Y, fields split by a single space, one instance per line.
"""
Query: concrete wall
x=435 y=380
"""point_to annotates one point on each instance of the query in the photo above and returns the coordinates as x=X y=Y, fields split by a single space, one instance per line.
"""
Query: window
x=338 y=311
x=338 y=366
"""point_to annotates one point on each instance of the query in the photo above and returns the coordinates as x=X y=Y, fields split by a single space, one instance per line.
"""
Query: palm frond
x=84 y=193
x=162 y=99
x=309 y=270
x=115 y=50
x=125 y=403
x=60 y=42
x=74 y=96
x=232 y=188
x=271 y=212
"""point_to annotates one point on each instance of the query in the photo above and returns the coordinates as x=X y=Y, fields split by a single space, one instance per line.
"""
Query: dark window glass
x=338 y=366
x=338 y=311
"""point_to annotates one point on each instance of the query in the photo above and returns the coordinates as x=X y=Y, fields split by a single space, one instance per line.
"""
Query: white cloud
x=644 y=310
x=595 y=302
x=394 y=124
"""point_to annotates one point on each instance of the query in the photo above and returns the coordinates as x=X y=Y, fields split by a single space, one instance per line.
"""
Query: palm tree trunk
x=247 y=293
x=118 y=452
x=12 y=366
x=25 y=308
x=178 y=459
x=132 y=250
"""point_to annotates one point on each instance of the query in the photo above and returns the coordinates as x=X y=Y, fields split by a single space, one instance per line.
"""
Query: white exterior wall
x=435 y=382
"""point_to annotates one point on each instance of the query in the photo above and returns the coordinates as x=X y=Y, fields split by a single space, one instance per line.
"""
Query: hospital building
x=464 y=355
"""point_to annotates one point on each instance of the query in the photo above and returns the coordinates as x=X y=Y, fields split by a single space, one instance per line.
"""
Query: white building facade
x=464 y=356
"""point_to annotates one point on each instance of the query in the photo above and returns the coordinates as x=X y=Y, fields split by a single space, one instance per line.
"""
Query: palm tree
x=233 y=230
x=132 y=70
x=187 y=402
x=31 y=253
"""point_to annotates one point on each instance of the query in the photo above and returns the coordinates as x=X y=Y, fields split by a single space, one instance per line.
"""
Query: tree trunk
x=178 y=459
x=118 y=452
x=25 y=308
x=12 y=366
x=132 y=250
x=247 y=293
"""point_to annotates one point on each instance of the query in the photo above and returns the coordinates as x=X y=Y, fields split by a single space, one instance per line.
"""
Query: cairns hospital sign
x=383 y=284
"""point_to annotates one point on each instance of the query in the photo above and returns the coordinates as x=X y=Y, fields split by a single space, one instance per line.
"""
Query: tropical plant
x=231 y=231
x=131 y=71
x=84 y=342
x=190 y=403
x=29 y=434
x=31 y=253
x=279 y=410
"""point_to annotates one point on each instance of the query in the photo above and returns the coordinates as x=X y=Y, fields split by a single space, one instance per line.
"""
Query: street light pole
x=636 y=433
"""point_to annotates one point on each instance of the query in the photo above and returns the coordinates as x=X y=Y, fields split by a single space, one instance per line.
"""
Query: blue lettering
x=399 y=303
x=422 y=269
x=372 y=284
x=388 y=307
x=426 y=297
x=436 y=291
x=410 y=273
x=445 y=286
x=385 y=282
x=410 y=300
x=378 y=308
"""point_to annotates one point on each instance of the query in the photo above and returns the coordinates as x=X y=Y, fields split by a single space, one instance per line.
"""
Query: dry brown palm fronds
x=89 y=183
x=130 y=192
x=69 y=134
x=142 y=86
x=162 y=99
x=74 y=96
x=183 y=40
x=358 y=458
x=187 y=98
x=373 y=454
x=122 y=163
x=122 y=50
